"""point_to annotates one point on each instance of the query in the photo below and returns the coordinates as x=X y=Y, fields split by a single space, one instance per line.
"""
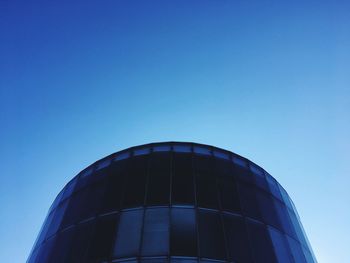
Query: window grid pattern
x=173 y=202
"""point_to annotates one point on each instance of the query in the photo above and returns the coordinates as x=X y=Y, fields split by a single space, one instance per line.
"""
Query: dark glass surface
x=129 y=234
x=155 y=239
x=158 y=186
x=172 y=202
x=263 y=250
x=211 y=235
x=238 y=246
x=134 y=193
x=183 y=233
x=182 y=179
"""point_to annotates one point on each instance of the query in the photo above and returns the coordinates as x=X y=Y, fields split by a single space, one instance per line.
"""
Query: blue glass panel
x=129 y=234
x=308 y=256
x=161 y=148
x=102 y=240
x=142 y=151
x=86 y=172
x=156 y=232
x=182 y=148
x=237 y=239
x=122 y=156
x=267 y=209
x=220 y=154
x=296 y=250
x=69 y=188
x=250 y=206
x=280 y=244
x=62 y=246
x=263 y=250
x=211 y=235
x=183 y=236
x=202 y=150
x=103 y=164
x=239 y=161
x=56 y=222
x=273 y=186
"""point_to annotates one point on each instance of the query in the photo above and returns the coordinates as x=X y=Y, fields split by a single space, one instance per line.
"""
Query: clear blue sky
x=269 y=80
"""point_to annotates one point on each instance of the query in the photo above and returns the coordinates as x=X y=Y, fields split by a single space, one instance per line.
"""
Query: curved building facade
x=172 y=202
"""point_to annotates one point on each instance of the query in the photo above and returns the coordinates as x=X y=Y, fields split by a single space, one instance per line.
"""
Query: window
x=286 y=222
x=62 y=246
x=80 y=244
x=297 y=251
x=142 y=151
x=102 y=241
x=91 y=200
x=156 y=232
x=239 y=161
x=281 y=246
x=161 y=148
x=128 y=234
x=267 y=209
x=211 y=235
x=260 y=242
x=122 y=156
x=103 y=163
x=207 y=192
x=229 y=197
x=250 y=205
x=182 y=179
x=158 y=191
x=221 y=154
x=183 y=241
x=237 y=239
x=202 y=150
x=68 y=190
x=56 y=222
x=273 y=186
x=182 y=148
x=135 y=178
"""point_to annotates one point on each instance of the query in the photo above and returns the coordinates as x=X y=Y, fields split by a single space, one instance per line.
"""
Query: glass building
x=173 y=202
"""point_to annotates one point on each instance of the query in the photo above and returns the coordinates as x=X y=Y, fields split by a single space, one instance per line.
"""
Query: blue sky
x=269 y=80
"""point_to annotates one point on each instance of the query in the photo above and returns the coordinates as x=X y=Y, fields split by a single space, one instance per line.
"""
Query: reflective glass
x=103 y=164
x=68 y=190
x=122 y=156
x=182 y=148
x=280 y=244
x=237 y=239
x=182 y=179
x=229 y=198
x=283 y=215
x=202 y=150
x=239 y=161
x=81 y=241
x=250 y=206
x=102 y=240
x=158 y=186
x=296 y=250
x=273 y=186
x=156 y=232
x=207 y=192
x=58 y=216
x=142 y=151
x=211 y=235
x=267 y=209
x=128 y=234
x=183 y=236
x=45 y=251
x=161 y=148
x=297 y=228
x=135 y=177
x=220 y=154
x=62 y=246
x=260 y=242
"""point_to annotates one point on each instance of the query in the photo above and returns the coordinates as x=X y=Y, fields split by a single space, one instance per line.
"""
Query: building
x=172 y=202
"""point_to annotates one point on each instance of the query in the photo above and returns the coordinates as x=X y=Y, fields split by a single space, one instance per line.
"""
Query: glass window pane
x=297 y=251
x=129 y=234
x=161 y=148
x=281 y=246
x=183 y=237
x=267 y=209
x=261 y=244
x=62 y=246
x=56 y=222
x=182 y=179
x=103 y=163
x=283 y=215
x=122 y=156
x=220 y=154
x=134 y=193
x=182 y=148
x=239 y=161
x=68 y=190
x=142 y=151
x=237 y=239
x=101 y=243
x=211 y=235
x=156 y=232
x=229 y=197
x=202 y=150
x=158 y=192
x=80 y=244
x=115 y=183
x=250 y=206
x=273 y=187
